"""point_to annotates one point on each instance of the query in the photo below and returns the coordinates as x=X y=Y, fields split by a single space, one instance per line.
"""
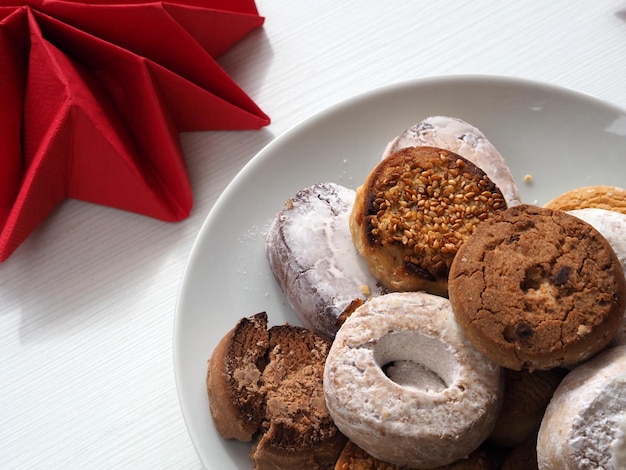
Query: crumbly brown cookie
x=265 y=385
x=600 y=197
x=526 y=396
x=234 y=377
x=523 y=456
x=612 y=226
x=297 y=430
x=414 y=211
x=536 y=288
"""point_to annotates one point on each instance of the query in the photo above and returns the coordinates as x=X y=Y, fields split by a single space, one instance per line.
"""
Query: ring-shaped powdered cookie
x=354 y=458
x=439 y=412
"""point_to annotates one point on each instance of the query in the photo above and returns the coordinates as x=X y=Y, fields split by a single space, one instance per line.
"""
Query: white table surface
x=87 y=304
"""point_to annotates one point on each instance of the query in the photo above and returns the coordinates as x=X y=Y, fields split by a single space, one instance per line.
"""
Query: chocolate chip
x=521 y=331
x=523 y=225
x=562 y=275
x=524 y=330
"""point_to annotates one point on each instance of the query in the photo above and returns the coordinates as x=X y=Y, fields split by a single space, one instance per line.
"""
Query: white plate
x=562 y=138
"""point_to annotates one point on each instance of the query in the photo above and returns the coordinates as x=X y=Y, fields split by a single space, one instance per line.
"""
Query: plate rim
x=371 y=94
x=258 y=157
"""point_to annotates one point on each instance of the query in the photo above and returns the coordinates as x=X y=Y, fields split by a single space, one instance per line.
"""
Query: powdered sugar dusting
x=462 y=138
x=612 y=226
x=313 y=258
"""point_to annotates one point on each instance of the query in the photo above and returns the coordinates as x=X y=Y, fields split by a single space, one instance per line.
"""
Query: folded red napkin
x=93 y=97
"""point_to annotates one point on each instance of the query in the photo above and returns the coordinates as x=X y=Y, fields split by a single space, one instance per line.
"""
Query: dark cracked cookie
x=536 y=288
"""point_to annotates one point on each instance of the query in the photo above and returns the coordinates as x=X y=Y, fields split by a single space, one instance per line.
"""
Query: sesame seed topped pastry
x=460 y=137
x=414 y=211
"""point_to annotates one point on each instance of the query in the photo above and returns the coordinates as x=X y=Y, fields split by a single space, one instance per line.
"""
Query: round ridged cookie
x=535 y=288
x=600 y=197
x=414 y=211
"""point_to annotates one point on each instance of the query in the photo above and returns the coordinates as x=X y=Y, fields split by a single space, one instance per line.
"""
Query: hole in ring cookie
x=411 y=359
x=413 y=374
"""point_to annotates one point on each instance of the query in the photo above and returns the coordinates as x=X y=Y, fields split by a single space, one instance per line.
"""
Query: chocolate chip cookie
x=536 y=288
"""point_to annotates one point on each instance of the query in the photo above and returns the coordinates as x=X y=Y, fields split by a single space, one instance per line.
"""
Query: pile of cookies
x=455 y=320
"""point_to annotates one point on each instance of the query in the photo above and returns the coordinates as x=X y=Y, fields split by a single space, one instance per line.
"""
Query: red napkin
x=93 y=97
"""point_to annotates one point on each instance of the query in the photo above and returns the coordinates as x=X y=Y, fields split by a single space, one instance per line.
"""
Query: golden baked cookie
x=536 y=288
x=414 y=211
x=600 y=197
